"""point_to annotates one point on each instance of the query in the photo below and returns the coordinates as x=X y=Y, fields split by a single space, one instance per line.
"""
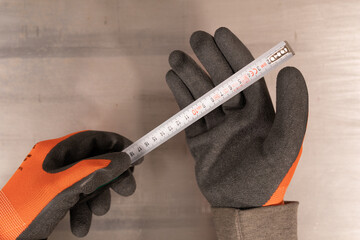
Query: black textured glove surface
x=57 y=176
x=242 y=150
x=99 y=204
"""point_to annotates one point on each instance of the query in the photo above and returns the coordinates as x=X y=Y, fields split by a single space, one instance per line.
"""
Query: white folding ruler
x=210 y=100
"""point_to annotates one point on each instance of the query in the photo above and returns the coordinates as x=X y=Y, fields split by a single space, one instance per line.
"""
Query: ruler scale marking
x=210 y=100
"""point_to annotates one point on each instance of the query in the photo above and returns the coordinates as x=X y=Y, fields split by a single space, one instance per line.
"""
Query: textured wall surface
x=69 y=65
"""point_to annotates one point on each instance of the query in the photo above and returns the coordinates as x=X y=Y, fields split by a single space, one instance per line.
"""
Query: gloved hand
x=57 y=176
x=245 y=154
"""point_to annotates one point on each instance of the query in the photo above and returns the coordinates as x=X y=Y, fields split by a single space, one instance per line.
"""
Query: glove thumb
x=283 y=145
x=288 y=130
x=99 y=170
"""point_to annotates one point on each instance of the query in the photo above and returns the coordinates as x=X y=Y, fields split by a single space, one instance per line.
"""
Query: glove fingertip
x=221 y=31
x=291 y=77
x=292 y=92
x=125 y=186
x=198 y=38
x=172 y=80
x=80 y=220
x=100 y=204
x=177 y=59
x=137 y=162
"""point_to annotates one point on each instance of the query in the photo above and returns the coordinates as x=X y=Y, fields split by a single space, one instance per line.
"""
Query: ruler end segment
x=281 y=50
x=289 y=47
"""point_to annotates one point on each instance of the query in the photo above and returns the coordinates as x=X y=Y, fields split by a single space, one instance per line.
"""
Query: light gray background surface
x=70 y=65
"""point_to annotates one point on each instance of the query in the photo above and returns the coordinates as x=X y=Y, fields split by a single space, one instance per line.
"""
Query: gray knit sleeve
x=273 y=222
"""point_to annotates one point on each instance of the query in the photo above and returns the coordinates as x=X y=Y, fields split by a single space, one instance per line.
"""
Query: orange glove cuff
x=11 y=224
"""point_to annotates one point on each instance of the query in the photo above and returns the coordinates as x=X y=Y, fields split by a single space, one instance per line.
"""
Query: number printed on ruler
x=211 y=100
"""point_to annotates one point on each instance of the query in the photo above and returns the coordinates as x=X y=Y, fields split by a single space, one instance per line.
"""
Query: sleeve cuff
x=272 y=222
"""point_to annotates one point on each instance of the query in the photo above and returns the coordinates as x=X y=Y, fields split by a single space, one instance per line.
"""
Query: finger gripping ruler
x=210 y=100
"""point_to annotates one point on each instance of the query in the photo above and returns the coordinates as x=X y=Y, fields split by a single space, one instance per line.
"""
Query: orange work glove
x=55 y=176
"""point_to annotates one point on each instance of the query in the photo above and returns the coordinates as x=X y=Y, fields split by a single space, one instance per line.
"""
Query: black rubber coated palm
x=242 y=150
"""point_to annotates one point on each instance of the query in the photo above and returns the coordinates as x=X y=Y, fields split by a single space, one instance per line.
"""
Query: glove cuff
x=11 y=224
x=273 y=222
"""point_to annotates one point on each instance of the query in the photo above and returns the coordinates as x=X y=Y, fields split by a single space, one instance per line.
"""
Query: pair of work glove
x=245 y=154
